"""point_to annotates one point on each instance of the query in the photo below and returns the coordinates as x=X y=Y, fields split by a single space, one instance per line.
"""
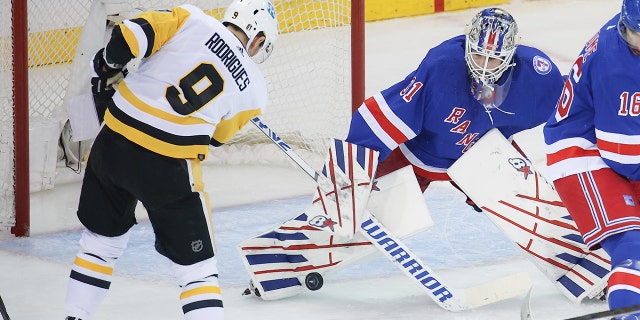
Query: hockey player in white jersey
x=196 y=85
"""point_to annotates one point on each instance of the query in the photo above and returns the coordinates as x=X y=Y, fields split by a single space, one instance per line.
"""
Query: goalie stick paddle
x=3 y=310
x=449 y=298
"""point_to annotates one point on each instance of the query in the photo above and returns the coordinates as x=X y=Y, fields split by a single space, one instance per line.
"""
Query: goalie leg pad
x=529 y=211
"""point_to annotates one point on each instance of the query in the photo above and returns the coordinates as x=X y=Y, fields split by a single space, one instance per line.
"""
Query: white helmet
x=253 y=17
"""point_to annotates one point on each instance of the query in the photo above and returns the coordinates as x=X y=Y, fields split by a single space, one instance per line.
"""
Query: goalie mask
x=255 y=17
x=491 y=41
x=629 y=24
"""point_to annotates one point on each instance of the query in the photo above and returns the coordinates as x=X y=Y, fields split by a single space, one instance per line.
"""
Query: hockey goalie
x=301 y=251
x=341 y=228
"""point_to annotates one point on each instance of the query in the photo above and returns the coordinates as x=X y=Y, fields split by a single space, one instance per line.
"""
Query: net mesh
x=308 y=77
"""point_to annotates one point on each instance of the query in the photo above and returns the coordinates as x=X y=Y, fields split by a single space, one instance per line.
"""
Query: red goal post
x=315 y=77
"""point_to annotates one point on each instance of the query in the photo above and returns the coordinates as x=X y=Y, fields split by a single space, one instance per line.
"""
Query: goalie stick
x=449 y=298
x=3 y=311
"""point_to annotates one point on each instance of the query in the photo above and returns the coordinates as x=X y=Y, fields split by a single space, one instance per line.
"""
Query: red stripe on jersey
x=386 y=125
x=430 y=175
x=619 y=148
x=568 y=153
x=620 y=276
x=433 y=176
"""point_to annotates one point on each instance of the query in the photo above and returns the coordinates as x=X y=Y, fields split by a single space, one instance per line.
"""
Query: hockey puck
x=313 y=281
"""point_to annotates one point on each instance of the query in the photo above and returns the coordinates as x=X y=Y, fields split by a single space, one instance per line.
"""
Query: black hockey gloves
x=104 y=77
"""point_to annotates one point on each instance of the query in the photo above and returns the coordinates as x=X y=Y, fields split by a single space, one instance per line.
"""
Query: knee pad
x=198 y=271
x=107 y=247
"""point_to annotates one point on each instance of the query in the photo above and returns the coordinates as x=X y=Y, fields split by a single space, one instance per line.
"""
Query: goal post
x=315 y=79
x=20 y=178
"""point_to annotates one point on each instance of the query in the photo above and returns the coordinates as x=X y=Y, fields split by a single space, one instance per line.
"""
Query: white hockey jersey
x=195 y=82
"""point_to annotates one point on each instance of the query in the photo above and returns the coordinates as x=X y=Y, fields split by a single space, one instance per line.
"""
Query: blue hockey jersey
x=596 y=124
x=433 y=117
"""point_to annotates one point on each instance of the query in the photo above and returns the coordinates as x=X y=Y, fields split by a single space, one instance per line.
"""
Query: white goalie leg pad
x=279 y=261
x=344 y=185
x=529 y=211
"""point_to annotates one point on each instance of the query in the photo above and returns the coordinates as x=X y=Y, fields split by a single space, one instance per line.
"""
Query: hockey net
x=309 y=77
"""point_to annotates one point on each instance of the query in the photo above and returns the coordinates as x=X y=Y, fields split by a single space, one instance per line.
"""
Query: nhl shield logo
x=196 y=246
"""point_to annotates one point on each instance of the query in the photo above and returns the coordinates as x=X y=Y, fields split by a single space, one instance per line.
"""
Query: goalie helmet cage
x=315 y=78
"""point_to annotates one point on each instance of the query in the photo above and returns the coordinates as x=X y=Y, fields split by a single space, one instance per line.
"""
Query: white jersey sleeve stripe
x=570 y=142
x=574 y=166
x=417 y=163
x=377 y=129
x=141 y=37
x=393 y=118
x=618 y=138
x=620 y=158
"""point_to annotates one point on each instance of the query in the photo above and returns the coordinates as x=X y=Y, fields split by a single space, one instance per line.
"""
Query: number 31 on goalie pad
x=280 y=260
x=529 y=211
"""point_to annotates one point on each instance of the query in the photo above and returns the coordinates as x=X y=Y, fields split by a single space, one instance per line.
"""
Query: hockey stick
x=610 y=314
x=449 y=298
x=3 y=311
x=285 y=148
x=525 y=308
x=452 y=299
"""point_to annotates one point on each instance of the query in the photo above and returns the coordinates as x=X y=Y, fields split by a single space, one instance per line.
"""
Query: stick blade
x=497 y=290
x=525 y=309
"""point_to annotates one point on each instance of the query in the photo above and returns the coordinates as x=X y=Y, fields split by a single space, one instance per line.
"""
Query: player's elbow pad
x=117 y=51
